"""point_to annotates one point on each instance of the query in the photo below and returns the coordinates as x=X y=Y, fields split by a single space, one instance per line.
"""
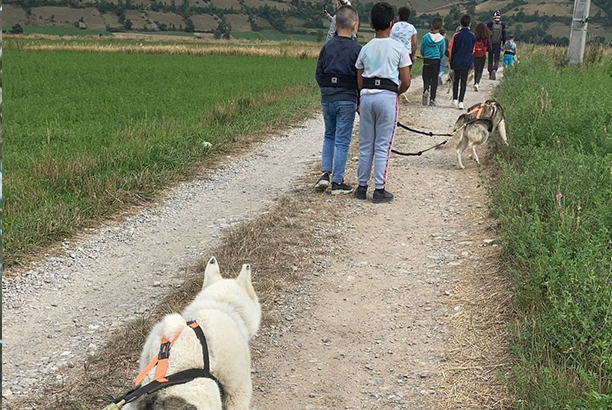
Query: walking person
x=332 y=19
x=444 y=57
x=462 y=60
x=337 y=76
x=481 y=47
x=383 y=72
x=404 y=31
x=509 y=50
x=432 y=50
x=498 y=38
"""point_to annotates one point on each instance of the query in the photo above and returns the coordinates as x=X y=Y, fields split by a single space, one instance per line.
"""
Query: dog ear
x=244 y=280
x=212 y=273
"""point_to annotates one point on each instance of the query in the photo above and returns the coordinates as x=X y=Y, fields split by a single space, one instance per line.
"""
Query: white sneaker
x=476 y=87
x=455 y=102
x=460 y=105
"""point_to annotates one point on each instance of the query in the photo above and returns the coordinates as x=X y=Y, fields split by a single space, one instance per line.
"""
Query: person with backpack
x=498 y=38
x=509 y=51
x=481 y=47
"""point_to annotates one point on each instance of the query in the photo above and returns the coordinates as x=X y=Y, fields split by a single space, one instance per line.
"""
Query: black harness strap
x=339 y=80
x=376 y=83
x=181 y=377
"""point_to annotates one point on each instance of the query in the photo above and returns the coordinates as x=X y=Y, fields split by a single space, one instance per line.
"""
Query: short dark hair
x=465 y=20
x=381 y=16
x=436 y=23
x=403 y=13
x=346 y=16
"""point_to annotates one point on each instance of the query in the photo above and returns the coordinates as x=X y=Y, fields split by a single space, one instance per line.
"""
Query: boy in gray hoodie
x=432 y=50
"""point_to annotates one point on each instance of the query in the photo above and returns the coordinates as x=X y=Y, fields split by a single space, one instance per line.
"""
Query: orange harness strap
x=478 y=110
x=161 y=361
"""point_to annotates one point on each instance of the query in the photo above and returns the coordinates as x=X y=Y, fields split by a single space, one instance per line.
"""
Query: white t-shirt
x=382 y=58
x=403 y=31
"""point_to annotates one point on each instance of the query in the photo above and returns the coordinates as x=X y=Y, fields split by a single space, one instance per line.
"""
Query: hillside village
x=531 y=20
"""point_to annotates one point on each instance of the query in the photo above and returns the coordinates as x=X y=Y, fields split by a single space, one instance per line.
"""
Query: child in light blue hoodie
x=432 y=50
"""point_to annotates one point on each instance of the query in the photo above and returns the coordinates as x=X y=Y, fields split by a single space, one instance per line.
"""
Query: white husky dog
x=228 y=312
x=474 y=127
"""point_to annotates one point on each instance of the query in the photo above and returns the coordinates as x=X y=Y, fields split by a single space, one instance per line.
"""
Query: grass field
x=92 y=132
x=60 y=31
x=553 y=200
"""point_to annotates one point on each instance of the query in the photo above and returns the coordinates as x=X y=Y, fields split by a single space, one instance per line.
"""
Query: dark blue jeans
x=494 y=58
x=339 y=117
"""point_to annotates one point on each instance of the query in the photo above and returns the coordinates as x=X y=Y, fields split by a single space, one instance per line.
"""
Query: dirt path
x=370 y=331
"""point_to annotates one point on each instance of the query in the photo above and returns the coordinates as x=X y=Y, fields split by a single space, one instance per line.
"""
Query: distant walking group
x=368 y=80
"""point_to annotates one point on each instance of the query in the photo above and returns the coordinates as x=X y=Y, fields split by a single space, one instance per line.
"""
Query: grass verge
x=129 y=125
x=282 y=245
x=552 y=197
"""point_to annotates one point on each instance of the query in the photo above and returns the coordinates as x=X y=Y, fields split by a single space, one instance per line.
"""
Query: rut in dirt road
x=372 y=332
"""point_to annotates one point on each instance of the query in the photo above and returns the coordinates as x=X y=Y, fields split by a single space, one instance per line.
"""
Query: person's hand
x=325 y=13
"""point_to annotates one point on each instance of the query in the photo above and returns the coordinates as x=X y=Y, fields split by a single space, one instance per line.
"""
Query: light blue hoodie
x=432 y=46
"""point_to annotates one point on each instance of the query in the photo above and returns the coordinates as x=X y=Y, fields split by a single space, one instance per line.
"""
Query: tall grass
x=553 y=200
x=90 y=133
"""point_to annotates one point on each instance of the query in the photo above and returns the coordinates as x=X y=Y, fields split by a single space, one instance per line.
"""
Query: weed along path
x=392 y=311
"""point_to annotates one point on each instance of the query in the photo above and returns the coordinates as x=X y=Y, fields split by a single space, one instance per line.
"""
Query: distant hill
x=530 y=20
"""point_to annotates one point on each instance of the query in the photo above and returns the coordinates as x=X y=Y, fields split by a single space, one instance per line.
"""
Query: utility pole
x=578 y=35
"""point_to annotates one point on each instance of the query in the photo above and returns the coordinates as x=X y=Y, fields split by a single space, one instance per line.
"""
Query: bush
x=553 y=200
x=17 y=29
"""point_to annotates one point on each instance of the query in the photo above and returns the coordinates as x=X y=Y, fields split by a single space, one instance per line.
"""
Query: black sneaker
x=380 y=195
x=432 y=103
x=341 y=188
x=323 y=182
x=360 y=192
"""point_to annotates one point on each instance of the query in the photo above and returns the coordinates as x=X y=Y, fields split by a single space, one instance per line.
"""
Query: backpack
x=496 y=32
x=480 y=49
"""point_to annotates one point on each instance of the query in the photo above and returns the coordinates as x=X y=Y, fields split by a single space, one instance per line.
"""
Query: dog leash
x=417 y=154
x=428 y=133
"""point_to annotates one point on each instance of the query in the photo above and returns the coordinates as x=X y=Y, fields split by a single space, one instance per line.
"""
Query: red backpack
x=480 y=49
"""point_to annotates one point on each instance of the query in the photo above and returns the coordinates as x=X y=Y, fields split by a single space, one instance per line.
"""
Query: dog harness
x=376 y=83
x=481 y=112
x=161 y=366
x=339 y=80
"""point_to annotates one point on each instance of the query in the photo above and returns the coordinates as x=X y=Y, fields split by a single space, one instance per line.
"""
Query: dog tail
x=173 y=325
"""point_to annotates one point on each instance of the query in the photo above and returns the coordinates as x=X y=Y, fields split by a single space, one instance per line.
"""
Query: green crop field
x=60 y=31
x=91 y=132
x=553 y=200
